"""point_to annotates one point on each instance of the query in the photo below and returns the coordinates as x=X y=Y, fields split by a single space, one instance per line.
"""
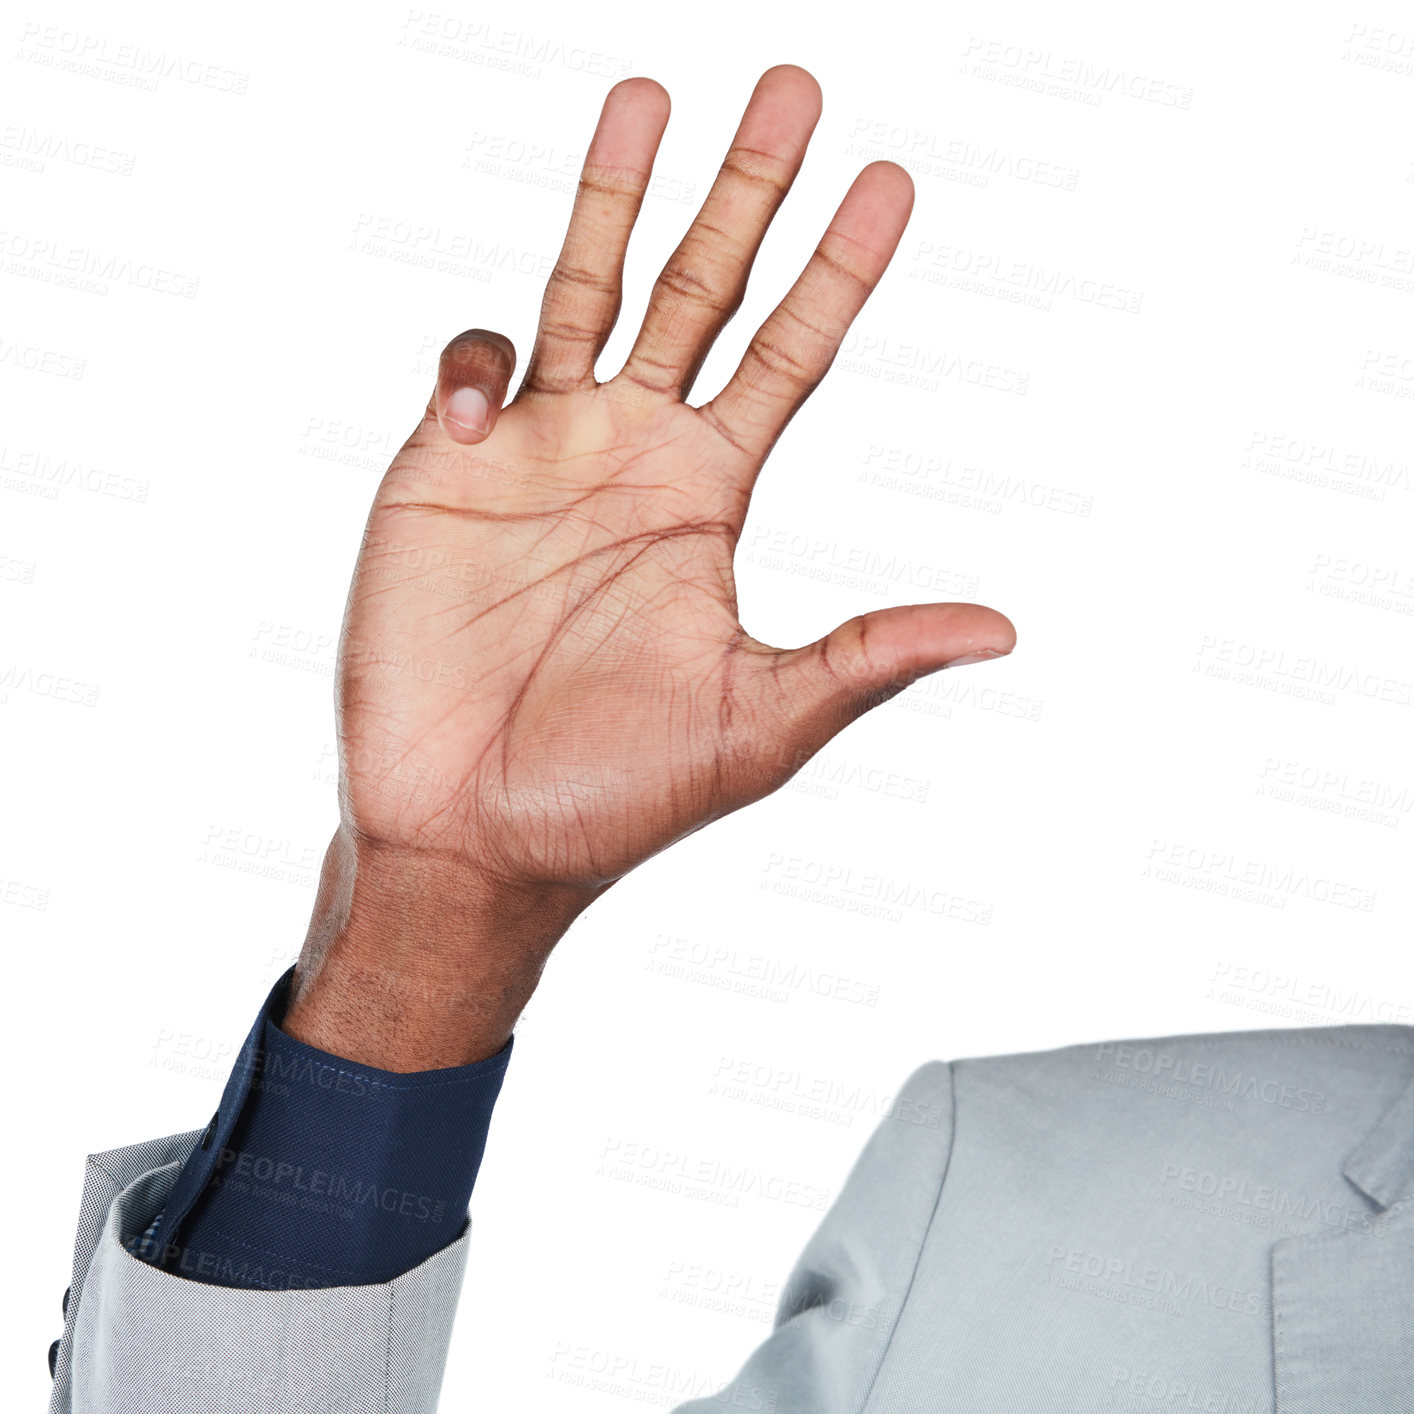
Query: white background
x=1140 y=376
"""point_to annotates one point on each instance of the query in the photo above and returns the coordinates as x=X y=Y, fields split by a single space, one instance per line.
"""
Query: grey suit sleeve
x=140 y=1339
x=844 y=1295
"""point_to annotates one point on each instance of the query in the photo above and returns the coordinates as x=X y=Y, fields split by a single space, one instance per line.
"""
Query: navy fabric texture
x=320 y=1172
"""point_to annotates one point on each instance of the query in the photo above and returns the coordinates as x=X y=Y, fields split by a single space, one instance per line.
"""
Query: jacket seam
x=1279 y=1363
x=388 y=1355
x=111 y=1177
x=1225 y=1038
x=922 y=1242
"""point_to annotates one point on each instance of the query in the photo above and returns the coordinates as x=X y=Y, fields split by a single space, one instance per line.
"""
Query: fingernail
x=980 y=656
x=468 y=408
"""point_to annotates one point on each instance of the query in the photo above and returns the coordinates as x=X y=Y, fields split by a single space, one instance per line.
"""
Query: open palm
x=542 y=668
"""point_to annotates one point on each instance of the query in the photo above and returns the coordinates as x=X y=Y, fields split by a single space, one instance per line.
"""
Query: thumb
x=828 y=684
x=472 y=378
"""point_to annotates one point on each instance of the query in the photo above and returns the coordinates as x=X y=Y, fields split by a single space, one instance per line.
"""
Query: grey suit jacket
x=1220 y=1223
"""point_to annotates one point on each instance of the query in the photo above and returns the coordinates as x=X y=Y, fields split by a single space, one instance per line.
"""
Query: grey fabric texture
x=105 y=1176
x=1220 y=1223
x=140 y=1339
x=842 y=1298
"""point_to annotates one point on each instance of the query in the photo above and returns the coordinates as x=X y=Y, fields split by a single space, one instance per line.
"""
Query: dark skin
x=543 y=679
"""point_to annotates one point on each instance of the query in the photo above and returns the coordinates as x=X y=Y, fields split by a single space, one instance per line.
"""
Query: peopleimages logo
x=1101 y=1274
x=1240 y=1195
x=287 y=1180
x=1204 y=1075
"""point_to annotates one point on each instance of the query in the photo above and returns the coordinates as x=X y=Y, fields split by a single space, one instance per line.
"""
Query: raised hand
x=543 y=679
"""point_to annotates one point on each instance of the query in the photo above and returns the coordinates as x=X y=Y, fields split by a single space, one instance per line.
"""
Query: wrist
x=418 y=961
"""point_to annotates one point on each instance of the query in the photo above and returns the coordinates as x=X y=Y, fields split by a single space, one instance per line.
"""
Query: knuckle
x=569 y=332
x=776 y=356
x=580 y=278
x=760 y=168
x=613 y=182
x=681 y=279
x=842 y=268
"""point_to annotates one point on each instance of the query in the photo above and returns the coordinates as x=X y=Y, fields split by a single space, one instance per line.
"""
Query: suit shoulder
x=931 y=1075
x=1358 y=1048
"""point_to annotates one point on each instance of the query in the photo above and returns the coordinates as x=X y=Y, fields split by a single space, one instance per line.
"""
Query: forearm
x=414 y=961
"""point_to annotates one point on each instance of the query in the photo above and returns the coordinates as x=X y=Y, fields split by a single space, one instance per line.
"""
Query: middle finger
x=704 y=281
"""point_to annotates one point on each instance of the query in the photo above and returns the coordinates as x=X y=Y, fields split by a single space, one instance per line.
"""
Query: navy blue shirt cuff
x=317 y=1172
